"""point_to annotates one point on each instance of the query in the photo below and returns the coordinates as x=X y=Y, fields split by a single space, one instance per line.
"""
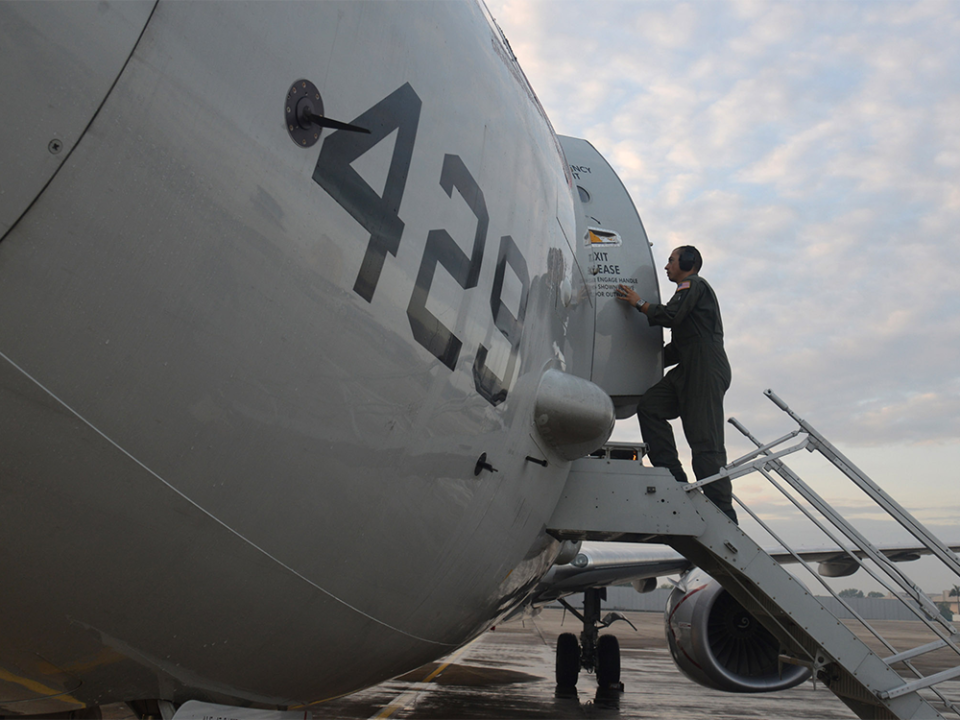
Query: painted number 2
x=443 y=249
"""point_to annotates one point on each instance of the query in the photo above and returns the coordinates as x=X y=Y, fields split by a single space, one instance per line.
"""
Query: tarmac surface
x=508 y=672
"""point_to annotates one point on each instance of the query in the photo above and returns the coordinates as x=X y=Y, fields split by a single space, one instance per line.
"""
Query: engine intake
x=715 y=642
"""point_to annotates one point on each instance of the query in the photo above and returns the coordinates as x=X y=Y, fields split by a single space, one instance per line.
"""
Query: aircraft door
x=613 y=248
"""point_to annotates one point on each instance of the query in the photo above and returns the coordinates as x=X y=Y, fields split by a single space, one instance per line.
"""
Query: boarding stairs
x=621 y=500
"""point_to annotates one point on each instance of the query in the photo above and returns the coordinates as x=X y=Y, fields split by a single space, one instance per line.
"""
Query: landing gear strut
x=594 y=652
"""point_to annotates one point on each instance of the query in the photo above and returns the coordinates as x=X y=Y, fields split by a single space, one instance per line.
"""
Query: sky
x=811 y=151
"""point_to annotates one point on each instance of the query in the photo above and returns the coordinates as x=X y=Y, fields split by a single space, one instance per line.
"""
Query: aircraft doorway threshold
x=609 y=499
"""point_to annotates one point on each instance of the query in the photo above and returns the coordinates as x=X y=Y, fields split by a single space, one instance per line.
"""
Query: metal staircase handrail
x=894 y=509
x=931 y=613
x=903 y=657
x=858 y=540
x=767 y=458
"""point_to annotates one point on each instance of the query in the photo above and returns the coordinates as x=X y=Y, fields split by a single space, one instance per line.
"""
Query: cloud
x=811 y=152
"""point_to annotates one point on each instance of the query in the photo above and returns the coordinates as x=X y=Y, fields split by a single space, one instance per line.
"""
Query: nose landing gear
x=594 y=652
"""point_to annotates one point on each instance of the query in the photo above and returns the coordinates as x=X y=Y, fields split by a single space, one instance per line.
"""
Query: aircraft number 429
x=379 y=215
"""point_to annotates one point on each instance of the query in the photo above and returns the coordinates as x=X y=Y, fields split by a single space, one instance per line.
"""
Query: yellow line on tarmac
x=43 y=692
x=407 y=698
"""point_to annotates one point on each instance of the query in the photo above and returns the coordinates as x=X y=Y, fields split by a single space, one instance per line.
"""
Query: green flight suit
x=692 y=391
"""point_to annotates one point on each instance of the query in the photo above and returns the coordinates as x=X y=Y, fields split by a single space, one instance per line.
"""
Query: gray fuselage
x=244 y=383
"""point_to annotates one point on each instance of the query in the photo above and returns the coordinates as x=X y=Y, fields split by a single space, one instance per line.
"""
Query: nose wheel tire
x=608 y=661
x=568 y=660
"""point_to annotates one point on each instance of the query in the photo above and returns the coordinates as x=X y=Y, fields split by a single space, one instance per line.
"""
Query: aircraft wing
x=837 y=563
x=602 y=564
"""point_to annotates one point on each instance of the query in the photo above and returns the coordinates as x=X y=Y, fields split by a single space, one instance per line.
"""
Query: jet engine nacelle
x=718 y=644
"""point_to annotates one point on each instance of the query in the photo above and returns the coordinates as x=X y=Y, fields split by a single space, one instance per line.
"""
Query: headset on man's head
x=689 y=258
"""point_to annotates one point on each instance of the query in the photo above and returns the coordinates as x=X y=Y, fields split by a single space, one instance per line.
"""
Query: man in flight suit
x=694 y=389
